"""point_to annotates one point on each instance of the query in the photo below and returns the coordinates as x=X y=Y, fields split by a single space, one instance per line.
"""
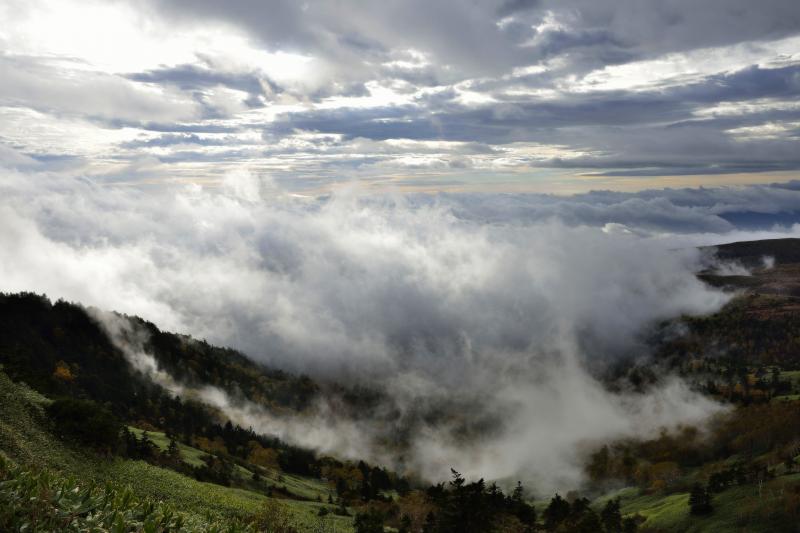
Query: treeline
x=758 y=435
x=752 y=329
x=94 y=426
x=736 y=354
x=195 y=362
x=475 y=507
x=59 y=350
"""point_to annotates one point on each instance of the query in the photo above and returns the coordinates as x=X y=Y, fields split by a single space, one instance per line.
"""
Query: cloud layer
x=490 y=306
x=453 y=94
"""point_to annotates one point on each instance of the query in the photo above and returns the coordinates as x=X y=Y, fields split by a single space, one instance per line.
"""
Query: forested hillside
x=93 y=415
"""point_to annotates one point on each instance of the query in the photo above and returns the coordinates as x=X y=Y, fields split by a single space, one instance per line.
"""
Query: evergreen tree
x=402 y=487
x=518 y=493
x=612 y=517
x=173 y=452
x=146 y=448
x=557 y=511
x=629 y=524
x=430 y=523
x=518 y=506
x=405 y=524
x=129 y=442
x=586 y=522
x=699 y=500
x=369 y=522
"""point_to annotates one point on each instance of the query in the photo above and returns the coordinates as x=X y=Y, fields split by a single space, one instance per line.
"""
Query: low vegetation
x=42 y=501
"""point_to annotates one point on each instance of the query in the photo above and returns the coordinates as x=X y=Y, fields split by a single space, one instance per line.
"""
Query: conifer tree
x=699 y=500
x=612 y=517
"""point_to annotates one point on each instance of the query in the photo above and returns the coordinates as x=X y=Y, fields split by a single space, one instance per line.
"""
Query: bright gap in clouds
x=678 y=69
x=119 y=38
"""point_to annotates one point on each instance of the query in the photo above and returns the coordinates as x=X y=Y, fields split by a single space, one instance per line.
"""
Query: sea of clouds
x=495 y=305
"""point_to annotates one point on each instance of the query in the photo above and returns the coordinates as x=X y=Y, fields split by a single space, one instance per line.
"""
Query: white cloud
x=49 y=88
x=676 y=69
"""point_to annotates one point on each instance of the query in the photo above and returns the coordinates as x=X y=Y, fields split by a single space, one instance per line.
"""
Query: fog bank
x=496 y=321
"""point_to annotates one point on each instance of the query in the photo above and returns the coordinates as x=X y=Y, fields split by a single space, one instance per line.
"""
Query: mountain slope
x=751 y=253
x=27 y=439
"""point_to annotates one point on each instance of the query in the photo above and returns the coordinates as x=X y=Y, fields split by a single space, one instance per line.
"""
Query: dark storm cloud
x=675 y=25
x=746 y=84
x=458 y=33
x=188 y=127
x=372 y=123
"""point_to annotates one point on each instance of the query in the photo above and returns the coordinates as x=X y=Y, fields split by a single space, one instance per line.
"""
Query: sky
x=404 y=95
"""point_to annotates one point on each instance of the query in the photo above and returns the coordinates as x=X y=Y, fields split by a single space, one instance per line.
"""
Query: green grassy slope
x=190 y=455
x=24 y=436
x=26 y=440
x=299 y=486
x=740 y=508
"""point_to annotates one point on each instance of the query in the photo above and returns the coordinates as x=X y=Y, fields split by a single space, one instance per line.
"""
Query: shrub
x=42 y=501
x=369 y=522
x=275 y=517
x=699 y=500
x=86 y=422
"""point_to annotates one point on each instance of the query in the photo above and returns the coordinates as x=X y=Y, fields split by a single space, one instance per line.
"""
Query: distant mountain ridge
x=751 y=253
x=771 y=266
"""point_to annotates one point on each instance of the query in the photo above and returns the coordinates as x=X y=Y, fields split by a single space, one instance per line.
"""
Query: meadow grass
x=302 y=487
x=739 y=508
x=189 y=455
x=207 y=499
x=26 y=439
x=308 y=488
x=791 y=375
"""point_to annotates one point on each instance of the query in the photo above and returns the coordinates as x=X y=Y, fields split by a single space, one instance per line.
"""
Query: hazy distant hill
x=773 y=264
x=751 y=253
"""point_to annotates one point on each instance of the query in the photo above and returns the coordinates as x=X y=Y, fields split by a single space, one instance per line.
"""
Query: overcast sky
x=491 y=95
